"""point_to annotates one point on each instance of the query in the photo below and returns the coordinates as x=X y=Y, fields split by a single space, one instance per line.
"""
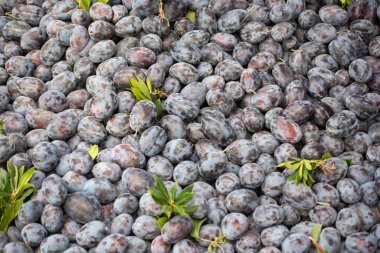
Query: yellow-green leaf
x=149 y=84
x=184 y=198
x=84 y=4
x=93 y=151
x=134 y=83
x=143 y=88
x=9 y=215
x=139 y=96
x=2 y=131
x=160 y=186
x=196 y=227
x=158 y=104
x=190 y=210
x=101 y=1
x=174 y=190
x=161 y=222
x=345 y=3
x=316 y=231
x=308 y=166
x=179 y=210
x=326 y=156
x=158 y=197
x=191 y=15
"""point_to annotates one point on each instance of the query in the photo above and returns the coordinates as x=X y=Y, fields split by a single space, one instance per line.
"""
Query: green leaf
x=196 y=227
x=174 y=191
x=134 y=83
x=158 y=197
x=25 y=178
x=191 y=209
x=345 y=3
x=167 y=210
x=93 y=151
x=138 y=94
x=184 y=198
x=191 y=16
x=161 y=221
x=326 y=156
x=158 y=104
x=161 y=187
x=84 y=4
x=290 y=165
x=292 y=177
x=304 y=176
x=179 y=210
x=348 y=161
x=316 y=231
x=26 y=194
x=300 y=170
x=308 y=166
x=143 y=88
x=310 y=180
x=2 y=131
x=149 y=84
x=101 y=1
x=187 y=189
x=9 y=215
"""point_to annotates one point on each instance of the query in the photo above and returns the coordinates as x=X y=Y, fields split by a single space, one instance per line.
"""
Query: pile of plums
x=244 y=85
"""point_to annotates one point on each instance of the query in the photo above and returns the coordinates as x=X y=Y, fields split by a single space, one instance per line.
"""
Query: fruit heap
x=244 y=85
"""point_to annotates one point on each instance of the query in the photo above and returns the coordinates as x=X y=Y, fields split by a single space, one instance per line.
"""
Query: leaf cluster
x=304 y=168
x=345 y=3
x=171 y=201
x=144 y=91
x=315 y=233
x=85 y=4
x=93 y=151
x=14 y=189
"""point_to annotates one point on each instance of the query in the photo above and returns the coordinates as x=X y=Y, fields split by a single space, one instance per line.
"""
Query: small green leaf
x=138 y=94
x=326 y=156
x=84 y=4
x=191 y=16
x=158 y=104
x=308 y=166
x=348 y=161
x=316 y=231
x=292 y=177
x=167 y=210
x=149 y=84
x=300 y=171
x=101 y=1
x=196 y=227
x=161 y=222
x=174 y=191
x=310 y=180
x=187 y=189
x=191 y=209
x=158 y=197
x=345 y=3
x=2 y=131
x=160 y=186
x=9 y=215
x=293 y=165
x=134 y=83
x=144 y=88
x=25 y=178
x=184 y=198
x=93 y=151
x=179 y=210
